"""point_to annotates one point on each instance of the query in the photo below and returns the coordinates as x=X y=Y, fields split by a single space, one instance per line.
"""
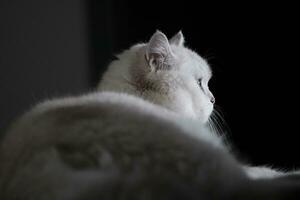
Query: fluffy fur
x=173 y=82
x=165 y=74
x=142 y=136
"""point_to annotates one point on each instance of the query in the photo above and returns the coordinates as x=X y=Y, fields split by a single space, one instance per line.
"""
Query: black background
x=252 y=49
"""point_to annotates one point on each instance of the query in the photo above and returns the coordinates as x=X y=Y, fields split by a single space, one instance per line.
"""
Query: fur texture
x=142 y=136
x=166 y=74
x=171 y=75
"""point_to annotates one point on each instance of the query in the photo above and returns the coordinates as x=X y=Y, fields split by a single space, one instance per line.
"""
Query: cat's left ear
x=158 y=52
x=177 y=39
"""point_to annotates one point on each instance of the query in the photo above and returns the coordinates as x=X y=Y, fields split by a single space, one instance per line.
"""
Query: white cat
x=168 y=74
x=141 y=136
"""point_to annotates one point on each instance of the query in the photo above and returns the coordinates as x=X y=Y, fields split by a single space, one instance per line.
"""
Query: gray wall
x=43 y=53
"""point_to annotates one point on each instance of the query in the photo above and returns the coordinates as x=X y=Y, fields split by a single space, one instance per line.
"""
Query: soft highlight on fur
x=164 y=74
x=145 y=134
x=167 y=73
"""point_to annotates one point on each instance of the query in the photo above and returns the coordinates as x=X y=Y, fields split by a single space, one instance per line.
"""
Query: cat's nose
x=212 y=99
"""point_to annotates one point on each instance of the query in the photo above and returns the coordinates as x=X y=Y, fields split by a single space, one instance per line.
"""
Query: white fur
x=178 y=88
x=262 y=172
x=30 y=152
x=117 y=145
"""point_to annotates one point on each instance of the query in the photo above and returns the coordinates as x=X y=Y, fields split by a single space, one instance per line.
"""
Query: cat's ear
x=158 y=52
x=177 y=39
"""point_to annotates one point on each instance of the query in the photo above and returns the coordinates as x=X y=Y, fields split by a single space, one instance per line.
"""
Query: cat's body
x=145 y=140
x=110 y=132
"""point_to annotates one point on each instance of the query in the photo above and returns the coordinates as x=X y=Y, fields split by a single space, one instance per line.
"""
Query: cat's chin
x=204 y=118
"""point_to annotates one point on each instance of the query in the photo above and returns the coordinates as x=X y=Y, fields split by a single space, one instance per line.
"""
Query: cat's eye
x=199 y=81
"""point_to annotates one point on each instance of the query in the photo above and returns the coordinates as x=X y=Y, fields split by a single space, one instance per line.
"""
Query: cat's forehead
x=191 y=61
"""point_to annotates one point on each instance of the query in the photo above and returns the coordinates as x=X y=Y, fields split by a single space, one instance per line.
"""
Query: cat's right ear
x=177 y=39
x=158 y=52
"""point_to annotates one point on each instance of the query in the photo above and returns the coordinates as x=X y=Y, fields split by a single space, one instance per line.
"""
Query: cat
x=182 y=85
x=141 y=135
x=171 y=76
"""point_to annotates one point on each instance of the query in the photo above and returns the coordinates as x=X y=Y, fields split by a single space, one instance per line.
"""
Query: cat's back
x=94 y=131
x=77 y=119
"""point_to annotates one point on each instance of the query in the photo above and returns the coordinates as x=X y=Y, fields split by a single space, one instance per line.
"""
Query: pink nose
x=212 y=99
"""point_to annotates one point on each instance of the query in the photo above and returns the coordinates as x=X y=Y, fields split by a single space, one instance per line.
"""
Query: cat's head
x=164 y=72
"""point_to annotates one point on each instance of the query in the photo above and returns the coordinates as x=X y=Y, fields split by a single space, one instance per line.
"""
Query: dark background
x=55 y=48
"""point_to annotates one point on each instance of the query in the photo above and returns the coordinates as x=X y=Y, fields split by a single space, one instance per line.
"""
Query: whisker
x=218 y=125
